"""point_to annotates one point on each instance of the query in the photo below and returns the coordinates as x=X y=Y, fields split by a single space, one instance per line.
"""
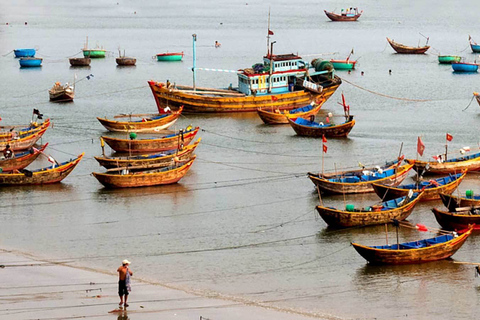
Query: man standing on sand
x=124 y=274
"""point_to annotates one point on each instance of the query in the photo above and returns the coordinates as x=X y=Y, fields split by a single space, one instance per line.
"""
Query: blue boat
x=30 y=62
x=464 y=67
x=475 y=47
x=22 y=53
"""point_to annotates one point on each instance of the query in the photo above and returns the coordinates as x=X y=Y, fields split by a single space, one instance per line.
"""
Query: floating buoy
x=133 y=135
x=469 y=193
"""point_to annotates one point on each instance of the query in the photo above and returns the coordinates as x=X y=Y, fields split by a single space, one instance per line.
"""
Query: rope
x=7 y=54
x=469 y=103
x=385 y=95
x=465 y=48
x=75 y=54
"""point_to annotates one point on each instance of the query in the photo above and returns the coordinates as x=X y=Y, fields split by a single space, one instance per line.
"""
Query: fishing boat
x=382 y=213
x=30 y=62
x=280 y=82
x=146 y=178
x=470 y=162
x=362 y=183
x=24 y=53
x=307 y=128
x=23 y=143
x=122 y=60
x=80 y=62
x=20 y=160
x=475 y=47
x=351 y=14
x=282 y=116
x=147 y=161
x=93 y=53
x=165 y=143
x=358 y=172
x=59 y=93
x=170 y=56
x=17 y=132
x=452 y=202
x=430 y=188
x=464 y=67
x=437 y=248
x=448 y=59
x=458 y=220
x=51 y=174
x=146 y=122
x=400 y=48
x=343 y=64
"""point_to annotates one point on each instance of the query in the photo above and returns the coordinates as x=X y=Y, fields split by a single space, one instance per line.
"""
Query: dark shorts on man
x=122 y=288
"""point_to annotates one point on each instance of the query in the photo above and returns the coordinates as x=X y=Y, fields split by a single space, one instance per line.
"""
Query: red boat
x=350 y=14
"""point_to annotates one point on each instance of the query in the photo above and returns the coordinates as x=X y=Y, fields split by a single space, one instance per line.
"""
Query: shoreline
x=39 y=288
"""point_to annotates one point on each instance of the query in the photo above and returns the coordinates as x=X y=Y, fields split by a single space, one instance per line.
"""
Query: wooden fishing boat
x=23 y=143
x=358 y=172
x=16 y=132
x=282 y=116
x=349 y=15
x=59 y=93
x=400 y=48
x=20 y=160
x=437 y=248
x=399 y=209
x=280 y=82
x=464 y=67
x=431 y=188
x=149 y=160
x=448 y=59
x=307 y=128
x=470 y=162
x=147 y=123
x=127 y=179
x=363 y=183
x=24 y=53
x=165 y=143
x=170 y=56
x=30 y=62
x=126 y=61
x=80 y=62
x=452 y=202
x=458 y=220
x=343 y=64
x=46 y=175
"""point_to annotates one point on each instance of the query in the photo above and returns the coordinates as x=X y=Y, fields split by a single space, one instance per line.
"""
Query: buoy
x=350 y=207
x=469 y=193
x=133 y=135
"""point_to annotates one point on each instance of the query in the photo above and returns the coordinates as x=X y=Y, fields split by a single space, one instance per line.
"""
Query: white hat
x=125 y=261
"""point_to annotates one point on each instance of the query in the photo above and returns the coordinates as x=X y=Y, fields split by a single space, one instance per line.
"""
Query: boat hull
x=456 y=221
x=453 y=202
x=281 y=117
x=343 y=64
x=124 y=61
x=143 y=179
x=400 y=48
x=177 y=56
x=94 y=53
x=80 y=62
x=448 y=59
x=21 y=160
x=30 y=62
x=475 y=47
x=24 y=53
x=464 y=67
x=150 y=145
x=197 y=103
x=408 y=256
x=338 y=17
x=334 y=131
x=435 y=167
x=23 y=143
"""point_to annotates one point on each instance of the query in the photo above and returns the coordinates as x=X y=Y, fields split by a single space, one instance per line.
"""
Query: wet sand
x=34 y=288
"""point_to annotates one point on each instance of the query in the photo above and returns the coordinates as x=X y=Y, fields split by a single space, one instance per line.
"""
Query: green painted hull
x=170 y=58
x=94 y=53
x=448 y=59
x=342 y=66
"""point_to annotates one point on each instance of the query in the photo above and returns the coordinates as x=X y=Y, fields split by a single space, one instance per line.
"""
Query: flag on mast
x=420 y=147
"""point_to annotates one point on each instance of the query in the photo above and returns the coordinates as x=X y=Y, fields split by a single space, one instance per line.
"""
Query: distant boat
x=470 y=162
x=23 y=53
x=475 y=47
x=448 y=59
x=343 y=64
x=80 y=62
x=275 y=116
x=122 y=60
x=400 y=48
x=61 y=93
x=93 y=53
x=307 y=128
x=351 y=14
x=464 y=67
x=170 y=56
x=433 y=249
x=30 y=62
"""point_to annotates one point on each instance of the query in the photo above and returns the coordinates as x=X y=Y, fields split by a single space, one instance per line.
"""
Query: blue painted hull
x=21 y=53
x=475 y=47
x=30 y=62
x=464 y=67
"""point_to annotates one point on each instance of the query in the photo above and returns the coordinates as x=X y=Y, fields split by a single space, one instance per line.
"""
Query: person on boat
x=8 y=152
x=124 y=274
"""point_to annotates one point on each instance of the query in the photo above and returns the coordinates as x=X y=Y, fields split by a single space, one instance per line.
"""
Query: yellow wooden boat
x=281 y=117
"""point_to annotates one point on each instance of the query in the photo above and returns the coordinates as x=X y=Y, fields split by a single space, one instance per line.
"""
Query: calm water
x=242 y=222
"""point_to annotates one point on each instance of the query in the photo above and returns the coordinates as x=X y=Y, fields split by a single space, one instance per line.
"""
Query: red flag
x=274 y=98
x=325 y=148
x=420 y=146
x=421 y=227
x=270 y=32
x=324 y=140
x=449 y=137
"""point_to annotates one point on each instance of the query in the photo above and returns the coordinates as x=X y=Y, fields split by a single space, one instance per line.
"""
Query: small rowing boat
x=80 y=62
x=23 y=143
x=464 y=67
x=470 y=162
x=30 y=62
x=281 y=116
x=458 y=220
x=401 y=48
x=59 y=93
x=448 y=59
x=452 y=202
x=351 y=14
x=23 y=53
x=20 y=160
x=170 y=56
x=307 y=128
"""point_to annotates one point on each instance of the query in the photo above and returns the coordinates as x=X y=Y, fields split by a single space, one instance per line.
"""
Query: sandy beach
x=34 y=288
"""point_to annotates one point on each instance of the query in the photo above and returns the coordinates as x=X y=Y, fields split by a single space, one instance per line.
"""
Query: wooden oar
x=472 y=263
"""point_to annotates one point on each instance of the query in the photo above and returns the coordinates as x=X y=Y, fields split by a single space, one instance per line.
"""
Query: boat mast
x=194 y=70
x=268 y=33
x=271 y=68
